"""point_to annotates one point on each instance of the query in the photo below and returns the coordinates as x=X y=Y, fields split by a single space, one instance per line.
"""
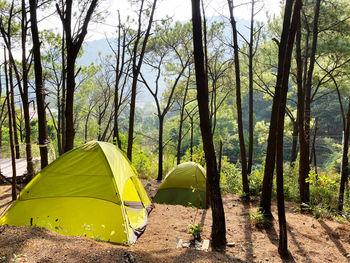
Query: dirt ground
x=309 y=240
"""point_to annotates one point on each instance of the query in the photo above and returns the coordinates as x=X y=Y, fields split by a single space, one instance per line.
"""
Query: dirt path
x=309 y=240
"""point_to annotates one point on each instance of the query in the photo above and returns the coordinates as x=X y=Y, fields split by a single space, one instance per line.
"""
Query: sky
x=178 y=9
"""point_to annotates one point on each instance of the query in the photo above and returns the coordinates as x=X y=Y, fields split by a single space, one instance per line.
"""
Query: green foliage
x=230 y=177
x=196 y=231
x=142 y=164
x=323 y=190
x=197 y=156
x=259 y=220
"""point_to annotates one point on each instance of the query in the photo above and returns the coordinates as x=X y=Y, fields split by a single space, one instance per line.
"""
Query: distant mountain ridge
x=92 y=49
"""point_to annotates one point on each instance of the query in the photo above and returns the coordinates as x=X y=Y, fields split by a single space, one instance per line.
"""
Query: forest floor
x=310 y=240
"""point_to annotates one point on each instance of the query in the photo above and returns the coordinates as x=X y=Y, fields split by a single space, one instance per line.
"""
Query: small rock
x=231 y=244
x=205 y=245
x=186 y=245
x=179 y=243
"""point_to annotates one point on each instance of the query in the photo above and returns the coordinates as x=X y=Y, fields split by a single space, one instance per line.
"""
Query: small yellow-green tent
x=91 y=191
x=184 y=185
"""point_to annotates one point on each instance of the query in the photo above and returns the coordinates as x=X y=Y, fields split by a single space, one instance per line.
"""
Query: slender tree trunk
x=265 y=203
x=182 y=112
x=286 y=57
x=303 y=161
x=63 y=103
x=118 y=74
x=251 y=101
x=13 y=160
x=13 y=112
x=191 y=139
x=345 y=161
x=39 y=87
x=245 y=182
x=294 y=153
x=220 y=156
x=160 y=148
x=86 y=126
x=303 y=174
x=25 y=99
x=312 y=154
x=136 y=72
x=218 y=233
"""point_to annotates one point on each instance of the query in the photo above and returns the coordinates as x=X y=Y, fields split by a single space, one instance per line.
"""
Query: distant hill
x=92 y=49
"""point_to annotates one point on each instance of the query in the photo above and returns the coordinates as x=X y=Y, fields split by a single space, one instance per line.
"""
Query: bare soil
x=309 y=240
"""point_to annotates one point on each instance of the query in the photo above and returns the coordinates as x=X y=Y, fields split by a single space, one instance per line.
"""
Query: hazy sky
x=178 y=9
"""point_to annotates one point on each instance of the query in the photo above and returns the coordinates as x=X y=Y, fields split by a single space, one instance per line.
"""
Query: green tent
x=184 y=185
x=91 y=191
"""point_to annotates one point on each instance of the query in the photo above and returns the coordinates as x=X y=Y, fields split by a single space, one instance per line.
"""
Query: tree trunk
x=220 y=156
x=218 y=233
x=294 y=153
x=303 y=158
x=70 y=132
x=191 y=139
x=24 y=95
x=245 y=182
x=13 y=112
x=285 y=55
x=265 y=203
x=136 y=72
x=13 y=160
x=74 y=41
x=251 y=102
x=39 y=88
x=63 y=103
x=304 y=171
x=160 y=149
x=182 y=112
x=345 y=161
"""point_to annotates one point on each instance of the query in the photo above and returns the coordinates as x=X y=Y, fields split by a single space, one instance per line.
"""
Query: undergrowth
x=324 y=187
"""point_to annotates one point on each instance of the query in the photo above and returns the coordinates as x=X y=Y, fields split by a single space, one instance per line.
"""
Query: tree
x=39 y=86
x=13 y=161
x=305 y=116
x=74 y=41
x=218 y=233
x=7 y=37
x=137 y=59
x=121 y=70
x=265 y=202
x=239 y=103
x=169 y=50
x=284 y=55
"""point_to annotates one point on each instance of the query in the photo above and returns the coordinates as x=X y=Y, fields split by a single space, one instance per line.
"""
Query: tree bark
x=294 y=153
x=265 y=203
x=160 y=149
x=39 y=87
x=251 y=101
x=245 y=182
x=13 y=112
x=218 y=233
x=13 y=160
x=285 y=55
x=305 y=167
x=182 y=112
x=73 y=45
x=24 y=95
x=345 y=161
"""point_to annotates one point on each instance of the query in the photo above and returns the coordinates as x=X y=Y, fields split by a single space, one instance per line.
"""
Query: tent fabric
x=184 y=185
x=92 y=191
